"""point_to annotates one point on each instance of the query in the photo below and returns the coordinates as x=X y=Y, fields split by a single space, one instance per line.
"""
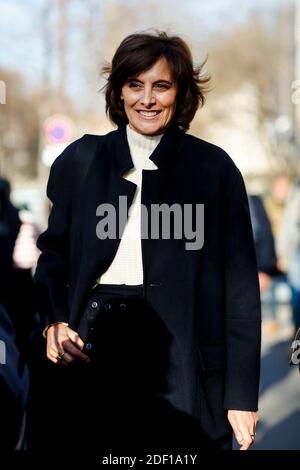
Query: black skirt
x=116 y=401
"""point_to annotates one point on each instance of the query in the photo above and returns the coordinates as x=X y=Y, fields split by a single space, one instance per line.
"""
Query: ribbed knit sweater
x=127 y=265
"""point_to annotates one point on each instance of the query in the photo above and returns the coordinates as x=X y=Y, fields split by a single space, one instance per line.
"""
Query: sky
x=22 y=48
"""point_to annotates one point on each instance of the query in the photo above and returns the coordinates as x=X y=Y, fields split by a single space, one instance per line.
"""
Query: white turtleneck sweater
x=127 y=265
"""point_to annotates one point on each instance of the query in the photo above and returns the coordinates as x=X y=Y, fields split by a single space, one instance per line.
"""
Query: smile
x=148 y=114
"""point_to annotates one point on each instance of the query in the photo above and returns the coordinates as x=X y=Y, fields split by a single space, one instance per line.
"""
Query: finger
x=237 y=431
x=54 y=342
x=233 y=423
x=51 y=343
x=60 y=357
x=244 y=446
x=61 y=361
x=66 y=359
x=75 y=351
x=66 y=356
x=52 y=358
x=245 y=442
x=251 y=427
x=247 y=439
x=240 y=439
x=54 y=353
x=75 y=338
x=253 y=433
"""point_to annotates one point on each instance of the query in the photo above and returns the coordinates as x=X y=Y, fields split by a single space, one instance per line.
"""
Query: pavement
x=279 y=404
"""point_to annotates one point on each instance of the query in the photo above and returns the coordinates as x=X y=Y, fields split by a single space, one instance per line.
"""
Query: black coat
x=208 y=299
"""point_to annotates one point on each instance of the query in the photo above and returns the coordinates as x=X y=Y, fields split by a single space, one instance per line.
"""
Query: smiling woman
x=150 y=99
x=172 y=331
x=161 y=77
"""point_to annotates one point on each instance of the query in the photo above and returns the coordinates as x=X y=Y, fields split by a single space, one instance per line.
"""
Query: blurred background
x=51 y=54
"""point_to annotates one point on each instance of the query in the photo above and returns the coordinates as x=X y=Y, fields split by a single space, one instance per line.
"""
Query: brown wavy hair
x=136 y=54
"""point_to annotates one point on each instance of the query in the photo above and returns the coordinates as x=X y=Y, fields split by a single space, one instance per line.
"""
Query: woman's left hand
x=243 y=424
x=64 y=345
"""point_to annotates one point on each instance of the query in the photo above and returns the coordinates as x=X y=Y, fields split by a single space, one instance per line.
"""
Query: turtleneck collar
x=116 y=143
x=146 y=143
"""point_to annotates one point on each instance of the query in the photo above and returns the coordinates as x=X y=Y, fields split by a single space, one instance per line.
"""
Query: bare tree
x=249 y=57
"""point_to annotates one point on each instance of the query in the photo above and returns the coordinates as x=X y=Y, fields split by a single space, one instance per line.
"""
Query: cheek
x=169 y=102
x=129 y=99
x=127 y=105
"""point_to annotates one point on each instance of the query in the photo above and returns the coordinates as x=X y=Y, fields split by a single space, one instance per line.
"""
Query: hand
x=264 y=281
x=243 y=424
x=281 y=265
x=64 y=345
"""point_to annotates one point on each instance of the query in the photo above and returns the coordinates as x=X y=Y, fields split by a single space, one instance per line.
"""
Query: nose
x=148 y=97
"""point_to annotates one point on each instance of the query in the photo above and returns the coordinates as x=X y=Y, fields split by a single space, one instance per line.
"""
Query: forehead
x=160 y=70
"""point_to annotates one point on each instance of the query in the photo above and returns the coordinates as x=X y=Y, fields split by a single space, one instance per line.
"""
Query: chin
x=149 y=129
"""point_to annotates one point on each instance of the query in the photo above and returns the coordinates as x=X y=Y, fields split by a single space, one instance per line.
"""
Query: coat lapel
x=105 y=184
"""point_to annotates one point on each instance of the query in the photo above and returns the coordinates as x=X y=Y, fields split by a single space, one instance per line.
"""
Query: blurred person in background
x=207 y=298
x=289 y=247
x=9 y=228
x=275 y=202
x=265 y=252
x=18 y=255
x=17 y=309
x=25 y=257
x=14 y=387
x=264 y=242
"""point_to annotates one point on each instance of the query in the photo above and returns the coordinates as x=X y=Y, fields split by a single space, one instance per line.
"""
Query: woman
x=199 y=299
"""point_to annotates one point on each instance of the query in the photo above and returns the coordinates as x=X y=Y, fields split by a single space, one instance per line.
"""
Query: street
x=279 y=405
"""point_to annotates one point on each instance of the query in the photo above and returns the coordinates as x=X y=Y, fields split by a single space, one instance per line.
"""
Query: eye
x=162 y=86
x=134 y=85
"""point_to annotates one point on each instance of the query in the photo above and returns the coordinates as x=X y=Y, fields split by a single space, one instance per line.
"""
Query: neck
x=146 y=142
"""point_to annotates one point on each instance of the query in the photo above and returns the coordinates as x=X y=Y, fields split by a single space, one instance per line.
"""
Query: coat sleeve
x=242 y=300
x=51 y=276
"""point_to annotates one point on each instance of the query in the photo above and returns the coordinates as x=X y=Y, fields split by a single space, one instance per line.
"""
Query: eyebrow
x=132 y=79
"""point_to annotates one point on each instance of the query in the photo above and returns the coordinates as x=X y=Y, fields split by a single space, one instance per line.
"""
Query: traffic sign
x=59 y=129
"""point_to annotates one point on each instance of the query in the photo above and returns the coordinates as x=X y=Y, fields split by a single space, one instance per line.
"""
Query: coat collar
x=163 y=153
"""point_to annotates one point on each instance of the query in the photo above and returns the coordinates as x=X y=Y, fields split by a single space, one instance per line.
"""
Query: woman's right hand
x=64 y=345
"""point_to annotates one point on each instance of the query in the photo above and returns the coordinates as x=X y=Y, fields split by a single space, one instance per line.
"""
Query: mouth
x=148 y=114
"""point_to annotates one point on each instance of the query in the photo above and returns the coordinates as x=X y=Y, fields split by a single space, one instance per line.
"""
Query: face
x=150 y=99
